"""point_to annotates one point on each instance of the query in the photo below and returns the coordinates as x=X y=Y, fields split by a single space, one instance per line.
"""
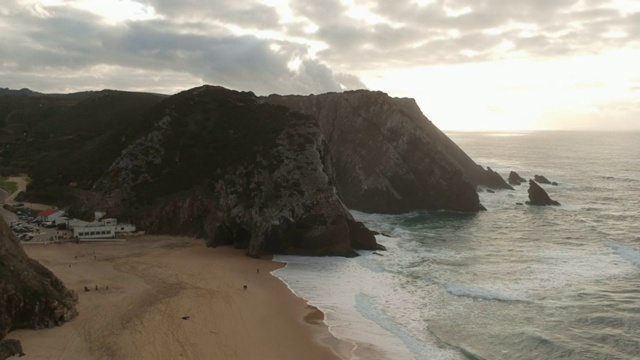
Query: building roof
x=48 y=212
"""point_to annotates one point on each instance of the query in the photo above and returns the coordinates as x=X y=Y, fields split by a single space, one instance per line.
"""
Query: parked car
x=25 y=237
x=48 y=224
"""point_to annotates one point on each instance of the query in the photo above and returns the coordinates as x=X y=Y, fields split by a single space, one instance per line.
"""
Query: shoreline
x=171 y=297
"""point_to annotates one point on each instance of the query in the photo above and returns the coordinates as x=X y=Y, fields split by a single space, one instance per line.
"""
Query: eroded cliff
x=389 y=158
x=222 y=165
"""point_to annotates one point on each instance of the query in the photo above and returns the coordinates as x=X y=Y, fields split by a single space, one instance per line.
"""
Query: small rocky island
x=537 y=195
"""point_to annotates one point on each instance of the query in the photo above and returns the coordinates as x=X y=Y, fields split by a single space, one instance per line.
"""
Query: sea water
x=512 y=282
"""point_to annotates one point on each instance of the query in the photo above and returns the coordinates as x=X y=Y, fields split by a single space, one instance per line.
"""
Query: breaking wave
x=481 y=293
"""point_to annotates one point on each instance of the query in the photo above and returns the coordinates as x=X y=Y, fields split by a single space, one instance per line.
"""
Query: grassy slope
x=8 y=186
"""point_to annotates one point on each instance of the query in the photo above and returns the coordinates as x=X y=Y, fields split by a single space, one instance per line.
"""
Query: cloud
x=461 y=31
x=294 y=46
x=186 y=41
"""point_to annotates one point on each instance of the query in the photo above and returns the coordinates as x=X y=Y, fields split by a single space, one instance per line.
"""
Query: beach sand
x=155 y=281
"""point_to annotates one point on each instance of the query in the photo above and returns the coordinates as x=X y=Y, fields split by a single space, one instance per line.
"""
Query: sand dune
x=147 y=285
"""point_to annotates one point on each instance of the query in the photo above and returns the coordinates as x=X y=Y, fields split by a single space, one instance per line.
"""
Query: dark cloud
x=196 y=43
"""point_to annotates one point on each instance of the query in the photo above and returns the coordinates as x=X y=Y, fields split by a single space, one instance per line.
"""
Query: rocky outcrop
x=540 y=179
x=537 y=195
x=222 y=165
x=30 y=295
x=388 y=157
x=9 y=348
x=515 y=178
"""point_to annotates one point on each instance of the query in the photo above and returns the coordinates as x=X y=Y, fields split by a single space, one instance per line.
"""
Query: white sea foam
x=629 y=254
x=363 y=304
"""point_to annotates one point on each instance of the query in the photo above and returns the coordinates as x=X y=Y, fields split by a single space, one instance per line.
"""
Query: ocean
x=512 y=282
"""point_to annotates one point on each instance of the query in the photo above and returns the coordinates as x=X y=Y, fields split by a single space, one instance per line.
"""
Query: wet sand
x=148 y=284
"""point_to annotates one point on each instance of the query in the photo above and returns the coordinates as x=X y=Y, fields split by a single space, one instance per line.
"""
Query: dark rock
x=31 y=297
x=9 y=348
x=515 y=178
x=389 y=158
x=361 y=237
x=519 y=203
x=494 y=180
x=554 y=183
x=541 y=179
x=537 y=195
x=490 y=191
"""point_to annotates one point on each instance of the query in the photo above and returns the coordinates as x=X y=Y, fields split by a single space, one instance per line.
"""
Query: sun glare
x=508 y=95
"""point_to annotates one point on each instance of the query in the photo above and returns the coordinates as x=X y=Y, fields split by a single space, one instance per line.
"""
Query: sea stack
x=537 y=195
x=540 y=179
x=515 y=178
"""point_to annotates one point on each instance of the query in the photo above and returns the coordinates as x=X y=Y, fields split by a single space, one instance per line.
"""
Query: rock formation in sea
x=222 y=165
x=515 y=178
x=540 y=179
x=389 y=158
x=537 y=195
x=31 y=297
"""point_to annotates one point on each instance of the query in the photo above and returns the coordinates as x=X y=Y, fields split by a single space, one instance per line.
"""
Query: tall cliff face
x=30 y=295
x=221 y=164
x=389 y=157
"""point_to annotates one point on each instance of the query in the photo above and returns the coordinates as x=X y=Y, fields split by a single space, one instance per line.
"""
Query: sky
x=470 y=64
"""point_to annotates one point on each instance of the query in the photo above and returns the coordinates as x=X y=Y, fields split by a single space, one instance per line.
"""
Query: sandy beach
x=163 y=297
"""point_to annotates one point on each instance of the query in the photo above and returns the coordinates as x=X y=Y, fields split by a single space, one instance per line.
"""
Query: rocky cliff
x=389 y=158
x=222 y=165
x=30 y=295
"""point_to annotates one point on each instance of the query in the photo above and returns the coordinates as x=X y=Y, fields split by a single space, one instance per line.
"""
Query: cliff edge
x=389 y=158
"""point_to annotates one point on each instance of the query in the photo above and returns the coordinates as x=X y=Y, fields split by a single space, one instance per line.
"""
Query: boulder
x=515 y=178
x=537 y=195
x=9 y=348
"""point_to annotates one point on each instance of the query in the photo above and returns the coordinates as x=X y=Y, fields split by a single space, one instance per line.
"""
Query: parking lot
x=29 y=230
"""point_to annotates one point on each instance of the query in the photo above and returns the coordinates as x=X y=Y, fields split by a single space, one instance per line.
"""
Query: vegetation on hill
x=66 y=139
x=8 y=186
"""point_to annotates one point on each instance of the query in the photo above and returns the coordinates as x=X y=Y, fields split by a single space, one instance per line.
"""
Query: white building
x=105 y=229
